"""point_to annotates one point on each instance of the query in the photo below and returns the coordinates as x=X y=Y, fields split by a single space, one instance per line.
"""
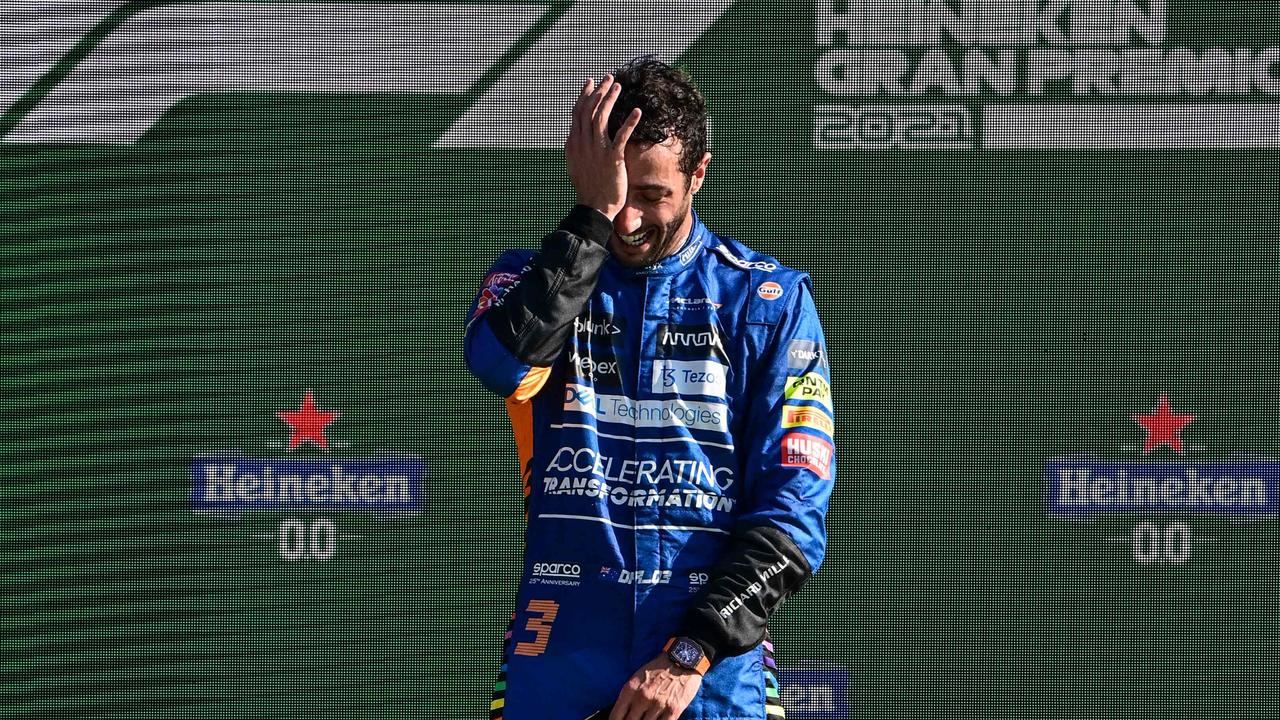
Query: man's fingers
x=575 y=115
x=620 y=707
x=624 y=132
x=582 y=110
x=593 y=103
x=601 y=120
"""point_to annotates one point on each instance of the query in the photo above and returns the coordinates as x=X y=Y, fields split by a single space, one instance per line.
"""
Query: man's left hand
x=660 y=690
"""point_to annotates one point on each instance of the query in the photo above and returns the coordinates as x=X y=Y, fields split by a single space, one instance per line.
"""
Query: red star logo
x=1164 y=427
x=308 y=423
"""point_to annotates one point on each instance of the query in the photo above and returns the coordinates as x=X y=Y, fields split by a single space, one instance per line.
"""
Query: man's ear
x=699 y=173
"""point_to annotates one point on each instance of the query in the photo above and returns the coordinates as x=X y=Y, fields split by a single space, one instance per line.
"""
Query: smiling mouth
x=637 y=239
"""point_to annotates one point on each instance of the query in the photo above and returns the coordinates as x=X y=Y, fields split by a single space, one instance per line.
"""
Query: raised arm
x=523 y=313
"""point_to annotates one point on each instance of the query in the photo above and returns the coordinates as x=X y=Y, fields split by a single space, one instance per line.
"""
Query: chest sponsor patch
x=689 y=377
x=566 y=574
x=603 y=325
x=602 y=370
x=620 y=409
x=690 y=342
x=810 y=386
x=808 y=417
x=807 y=451
x=698 y=303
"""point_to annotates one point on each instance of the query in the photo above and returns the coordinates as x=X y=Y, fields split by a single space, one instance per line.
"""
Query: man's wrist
x=588 y=222
x=687 y=654
x=604 y=208
x=676 y=668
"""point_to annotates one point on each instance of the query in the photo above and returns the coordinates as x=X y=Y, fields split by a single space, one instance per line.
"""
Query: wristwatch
x=687 y=654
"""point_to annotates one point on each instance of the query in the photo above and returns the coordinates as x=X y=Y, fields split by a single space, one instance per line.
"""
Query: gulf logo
x=769 y=290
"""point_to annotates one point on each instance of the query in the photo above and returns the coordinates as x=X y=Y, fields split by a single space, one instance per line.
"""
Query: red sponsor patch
x=491 y=289
x=807 y=451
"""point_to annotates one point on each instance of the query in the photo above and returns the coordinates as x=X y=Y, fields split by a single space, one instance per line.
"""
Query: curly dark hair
x=669 y=105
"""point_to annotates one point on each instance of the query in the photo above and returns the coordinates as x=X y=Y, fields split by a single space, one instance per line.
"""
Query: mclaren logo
x=521 y=63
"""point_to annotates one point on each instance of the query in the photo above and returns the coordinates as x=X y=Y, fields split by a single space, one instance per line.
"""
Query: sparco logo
x=521 y=63
x=745 y=264
x=562 y=570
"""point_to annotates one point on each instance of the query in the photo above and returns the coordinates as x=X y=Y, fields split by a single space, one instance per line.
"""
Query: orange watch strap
x=703 y=663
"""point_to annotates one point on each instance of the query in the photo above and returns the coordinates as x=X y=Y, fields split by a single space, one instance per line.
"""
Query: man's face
x=657 y=217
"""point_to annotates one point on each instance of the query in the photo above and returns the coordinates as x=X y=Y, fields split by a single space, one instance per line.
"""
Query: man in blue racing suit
x=670 y=396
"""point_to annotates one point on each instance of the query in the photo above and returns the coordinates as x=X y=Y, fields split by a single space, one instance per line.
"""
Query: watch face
x=686 y=653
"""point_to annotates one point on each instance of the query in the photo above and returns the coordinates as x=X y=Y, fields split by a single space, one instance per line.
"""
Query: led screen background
x=201 y=221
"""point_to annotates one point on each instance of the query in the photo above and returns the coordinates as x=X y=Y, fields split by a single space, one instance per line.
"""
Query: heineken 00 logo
x=231 y=484
x=1166 y=487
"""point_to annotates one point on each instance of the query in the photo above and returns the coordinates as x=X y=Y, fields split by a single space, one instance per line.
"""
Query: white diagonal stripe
x=597 y=431
x=35 y=34
x=624 y=526
x=529 y=105
x=165 y=54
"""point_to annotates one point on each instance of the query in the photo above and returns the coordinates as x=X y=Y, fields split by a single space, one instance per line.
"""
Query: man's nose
x=627 y=221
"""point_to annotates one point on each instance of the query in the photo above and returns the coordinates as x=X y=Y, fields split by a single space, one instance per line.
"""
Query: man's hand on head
x=661 y=690
x=595 y=161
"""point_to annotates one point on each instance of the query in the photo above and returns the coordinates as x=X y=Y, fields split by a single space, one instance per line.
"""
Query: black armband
x=536 y=315
x=730 y=614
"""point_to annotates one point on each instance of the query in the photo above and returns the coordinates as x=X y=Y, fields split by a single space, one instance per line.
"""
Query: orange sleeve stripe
x=531 y=384
x=521 y=414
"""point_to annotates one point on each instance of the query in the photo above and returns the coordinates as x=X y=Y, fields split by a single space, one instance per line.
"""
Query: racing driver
x=670 y=396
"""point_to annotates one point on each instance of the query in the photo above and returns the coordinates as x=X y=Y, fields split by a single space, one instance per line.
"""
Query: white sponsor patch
x=676 y=412
x=745 y=264
x=565 y=574
x=689 y=377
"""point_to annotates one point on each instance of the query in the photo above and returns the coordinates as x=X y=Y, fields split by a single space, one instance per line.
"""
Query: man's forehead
x=655 y=164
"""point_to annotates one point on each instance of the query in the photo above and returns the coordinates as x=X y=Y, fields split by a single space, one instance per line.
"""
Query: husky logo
x=521 y=99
